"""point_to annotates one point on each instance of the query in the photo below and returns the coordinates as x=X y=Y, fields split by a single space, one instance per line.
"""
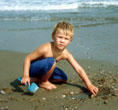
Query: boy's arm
x=32 y=56
x=80 y=71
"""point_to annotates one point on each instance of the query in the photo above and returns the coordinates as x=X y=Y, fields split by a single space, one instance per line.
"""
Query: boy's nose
x=62 y=40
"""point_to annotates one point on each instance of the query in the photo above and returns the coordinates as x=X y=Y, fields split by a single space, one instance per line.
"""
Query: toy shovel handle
x=19 y=79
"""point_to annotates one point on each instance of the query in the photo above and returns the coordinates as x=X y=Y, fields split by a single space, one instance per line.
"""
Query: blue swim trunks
x=41 y=67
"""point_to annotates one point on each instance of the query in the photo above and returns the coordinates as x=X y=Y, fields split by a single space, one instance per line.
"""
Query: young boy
x=40 y=65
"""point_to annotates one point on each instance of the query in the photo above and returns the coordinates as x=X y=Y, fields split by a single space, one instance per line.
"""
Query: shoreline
x=72 y=95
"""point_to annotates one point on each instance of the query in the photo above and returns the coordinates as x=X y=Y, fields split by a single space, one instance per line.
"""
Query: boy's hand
x=25 y=80
x=93 y=89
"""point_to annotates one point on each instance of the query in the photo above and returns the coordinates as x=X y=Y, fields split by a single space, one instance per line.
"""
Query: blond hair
x=66 y=27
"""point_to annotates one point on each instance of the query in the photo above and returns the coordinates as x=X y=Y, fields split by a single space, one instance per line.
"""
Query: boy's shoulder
x=46 y=44
x=43 y=48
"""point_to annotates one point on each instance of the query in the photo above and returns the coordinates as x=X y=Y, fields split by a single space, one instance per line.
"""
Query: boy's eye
x=67 y=38
x=59 y=37
x=63 y=37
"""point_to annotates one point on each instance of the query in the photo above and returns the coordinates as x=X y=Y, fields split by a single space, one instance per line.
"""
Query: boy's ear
x=52 y=36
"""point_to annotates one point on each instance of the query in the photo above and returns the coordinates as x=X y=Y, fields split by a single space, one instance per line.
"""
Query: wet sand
x=70 y=96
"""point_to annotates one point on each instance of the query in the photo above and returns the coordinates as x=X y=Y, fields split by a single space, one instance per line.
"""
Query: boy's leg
x=58 y=76
x=41 y=70
x=44 y=82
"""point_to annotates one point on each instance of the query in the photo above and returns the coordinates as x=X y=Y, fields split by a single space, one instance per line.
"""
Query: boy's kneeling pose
x=40 y=65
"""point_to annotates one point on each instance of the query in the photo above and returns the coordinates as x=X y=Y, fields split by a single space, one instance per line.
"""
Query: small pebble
x=75 y=108
x=71 y=93
x=92 y=96
x=89 y=67
x=44 y=98
x=105 y=102
x=2 y=92
x=100 y=85
x=1 y=100
x=73 y=98
x=2 y=108
x=6 y=107
x=63 y=96
x=11 y=97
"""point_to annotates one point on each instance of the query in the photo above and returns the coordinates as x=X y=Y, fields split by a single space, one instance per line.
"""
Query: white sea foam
x=40 y=7
x=98 y=3
x=53 y=4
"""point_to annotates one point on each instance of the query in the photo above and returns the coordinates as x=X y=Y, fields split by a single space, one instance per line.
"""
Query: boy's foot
x=47 y=85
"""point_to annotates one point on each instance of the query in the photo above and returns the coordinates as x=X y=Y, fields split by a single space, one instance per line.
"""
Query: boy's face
x=61 y=40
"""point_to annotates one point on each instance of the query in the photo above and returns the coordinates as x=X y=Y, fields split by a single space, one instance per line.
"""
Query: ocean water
x=26 y=24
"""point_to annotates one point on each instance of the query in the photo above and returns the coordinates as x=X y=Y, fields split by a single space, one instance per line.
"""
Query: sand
x=72 y=95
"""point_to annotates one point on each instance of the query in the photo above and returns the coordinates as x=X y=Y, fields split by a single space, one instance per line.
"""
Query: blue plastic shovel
x=33 y=86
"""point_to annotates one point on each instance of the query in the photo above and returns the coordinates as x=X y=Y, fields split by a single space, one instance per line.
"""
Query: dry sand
x=70 y=96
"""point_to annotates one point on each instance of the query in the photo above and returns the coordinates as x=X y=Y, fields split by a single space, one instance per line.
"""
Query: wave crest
x=60 y=5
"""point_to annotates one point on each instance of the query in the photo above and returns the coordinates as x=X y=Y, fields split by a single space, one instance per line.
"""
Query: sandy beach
x=27 y=24
x=70 y=96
